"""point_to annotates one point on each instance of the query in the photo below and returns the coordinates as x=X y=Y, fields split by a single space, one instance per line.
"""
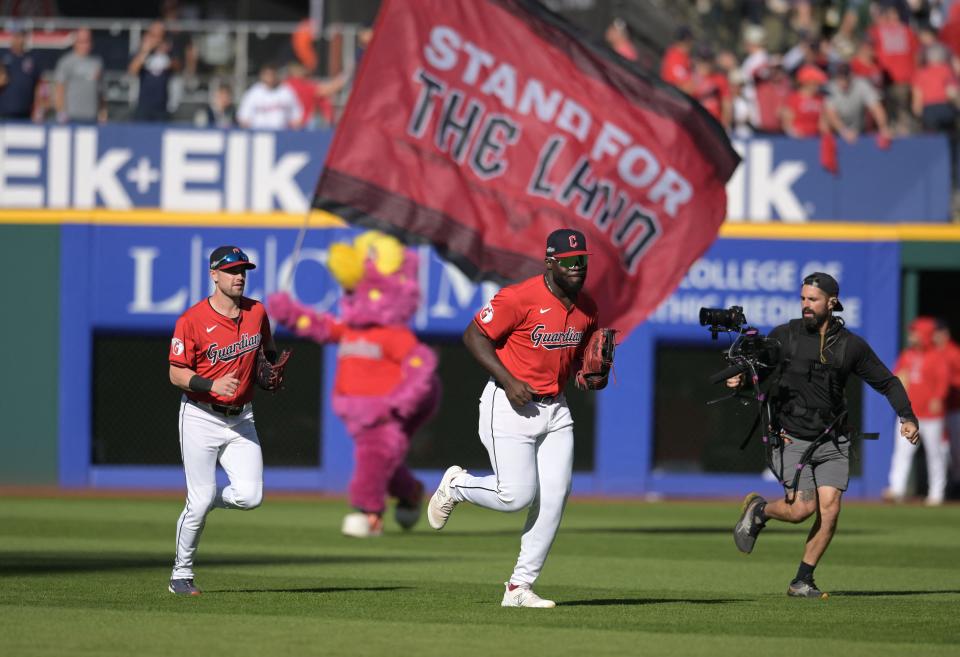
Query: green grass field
x=88 y=576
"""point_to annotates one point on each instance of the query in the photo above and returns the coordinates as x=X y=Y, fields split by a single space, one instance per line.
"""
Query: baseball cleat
x=523 y=596
x=183 y=587
x=407 y=514
x=803 y=589
x=747 y=529
x=442 y=503
x=362 y=525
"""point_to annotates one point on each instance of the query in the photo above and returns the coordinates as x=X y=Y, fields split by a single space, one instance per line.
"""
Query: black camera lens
x=728 y=318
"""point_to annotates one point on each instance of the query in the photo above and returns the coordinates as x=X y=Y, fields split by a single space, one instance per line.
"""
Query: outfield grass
x=88 y=577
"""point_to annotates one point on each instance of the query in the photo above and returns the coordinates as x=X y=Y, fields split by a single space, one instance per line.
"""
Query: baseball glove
x=597 y=360
x=270 y=375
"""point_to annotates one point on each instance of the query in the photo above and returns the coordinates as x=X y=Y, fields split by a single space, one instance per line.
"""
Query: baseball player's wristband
x=200 y=384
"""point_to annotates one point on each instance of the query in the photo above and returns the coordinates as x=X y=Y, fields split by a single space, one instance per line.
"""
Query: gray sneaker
x=748 y=527
x=183 y=587
x=803 y=589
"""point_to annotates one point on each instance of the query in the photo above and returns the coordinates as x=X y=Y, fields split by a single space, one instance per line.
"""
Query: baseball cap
x=229 y=257
x=827 y=283
x=810 y=74
x=566 y=242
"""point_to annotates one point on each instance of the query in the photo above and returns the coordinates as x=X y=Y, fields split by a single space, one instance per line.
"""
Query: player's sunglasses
x=229 y=259
x=572 y=261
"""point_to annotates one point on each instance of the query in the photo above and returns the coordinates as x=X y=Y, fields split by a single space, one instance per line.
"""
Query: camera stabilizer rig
x=750 y=353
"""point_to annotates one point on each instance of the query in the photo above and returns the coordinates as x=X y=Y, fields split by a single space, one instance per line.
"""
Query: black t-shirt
x=16 y=97
x=809 y=382
x=154 y=83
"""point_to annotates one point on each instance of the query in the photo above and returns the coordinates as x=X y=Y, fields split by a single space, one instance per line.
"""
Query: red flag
x=828 y=153
x=483 y=125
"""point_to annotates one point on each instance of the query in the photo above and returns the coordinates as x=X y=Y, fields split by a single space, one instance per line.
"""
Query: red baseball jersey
x=537 y=339
x=928 y=379
x=213 y=345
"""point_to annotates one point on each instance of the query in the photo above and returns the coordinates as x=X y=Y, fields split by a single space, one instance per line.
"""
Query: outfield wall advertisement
x=141 y=279
x=178 y=169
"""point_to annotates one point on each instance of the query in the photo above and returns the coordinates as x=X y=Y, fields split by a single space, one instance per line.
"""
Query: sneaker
x=802 y=589
x=407 y=513
x=523 y=596
x=747 y=529
x=183 y=587
x=362 y=525
x=442 y=503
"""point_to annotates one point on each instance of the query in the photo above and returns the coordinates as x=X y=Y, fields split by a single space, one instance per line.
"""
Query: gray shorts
x=829 y=466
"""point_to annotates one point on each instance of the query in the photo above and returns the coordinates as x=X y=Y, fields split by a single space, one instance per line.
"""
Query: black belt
x=222 y=409
x=540 y=399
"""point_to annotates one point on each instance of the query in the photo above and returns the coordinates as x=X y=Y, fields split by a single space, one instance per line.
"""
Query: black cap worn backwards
x=827 y=283
x=229 y=257
x=566 y=242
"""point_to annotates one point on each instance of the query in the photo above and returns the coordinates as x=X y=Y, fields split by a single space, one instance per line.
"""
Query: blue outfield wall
x=128 y=166
x=140 y=279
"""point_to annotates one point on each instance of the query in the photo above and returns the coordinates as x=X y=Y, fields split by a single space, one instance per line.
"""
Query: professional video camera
x=750 y=351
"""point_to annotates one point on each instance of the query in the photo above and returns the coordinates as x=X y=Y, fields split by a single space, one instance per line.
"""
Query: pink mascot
x=386 y=385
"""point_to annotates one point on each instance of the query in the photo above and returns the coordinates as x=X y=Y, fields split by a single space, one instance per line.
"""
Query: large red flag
x=483 y=125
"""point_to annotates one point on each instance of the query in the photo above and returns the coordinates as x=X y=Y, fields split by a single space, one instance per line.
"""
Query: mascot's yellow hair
x=346 y=261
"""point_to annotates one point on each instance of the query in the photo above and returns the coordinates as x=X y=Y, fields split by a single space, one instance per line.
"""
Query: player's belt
x=222 y=409
x=540 y=399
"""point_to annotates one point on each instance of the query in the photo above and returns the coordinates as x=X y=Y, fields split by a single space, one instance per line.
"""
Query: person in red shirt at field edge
x=803 y=112
x=923 y=371
x=950 y=351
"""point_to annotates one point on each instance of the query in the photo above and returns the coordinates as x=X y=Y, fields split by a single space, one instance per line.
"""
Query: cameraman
x=808 y=405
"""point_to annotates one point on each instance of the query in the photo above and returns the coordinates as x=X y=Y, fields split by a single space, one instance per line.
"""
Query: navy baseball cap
x=566 y=242
x=827 y=283
x=230 y=257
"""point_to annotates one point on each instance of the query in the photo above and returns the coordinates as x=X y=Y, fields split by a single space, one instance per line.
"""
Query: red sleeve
x=499 y=317
x=183 y=351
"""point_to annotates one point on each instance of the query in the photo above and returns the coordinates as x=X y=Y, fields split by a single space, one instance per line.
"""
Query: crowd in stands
x=802 y=68
x=806 y=69
x=283 y=97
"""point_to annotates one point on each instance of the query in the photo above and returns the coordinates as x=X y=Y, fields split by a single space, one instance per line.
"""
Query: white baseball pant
x=205 y=438
x=531 y=451
x=937 y=453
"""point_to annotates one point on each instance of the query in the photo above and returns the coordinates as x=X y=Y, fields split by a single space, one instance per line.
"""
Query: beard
x=813 y=321
x=570 y=288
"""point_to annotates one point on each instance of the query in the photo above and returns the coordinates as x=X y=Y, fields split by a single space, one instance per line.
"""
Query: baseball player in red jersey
x=213 y=355
x=529 y=337
x=925 y=375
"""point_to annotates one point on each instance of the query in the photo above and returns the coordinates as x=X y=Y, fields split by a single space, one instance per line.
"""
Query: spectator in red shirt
x=803 y=112
x=923 y=370
x=710 y=87
x=675 y=68
x=864 y=65
x=314 y=96
x=771 y=89
x=619 y=39
x=935 y=92
x=897 y=49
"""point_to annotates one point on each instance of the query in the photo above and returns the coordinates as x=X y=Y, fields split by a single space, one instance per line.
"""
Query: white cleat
x=442 y=503
x=523 y=596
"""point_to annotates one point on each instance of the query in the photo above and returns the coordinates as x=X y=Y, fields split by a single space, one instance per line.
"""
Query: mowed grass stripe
x=630 y=579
